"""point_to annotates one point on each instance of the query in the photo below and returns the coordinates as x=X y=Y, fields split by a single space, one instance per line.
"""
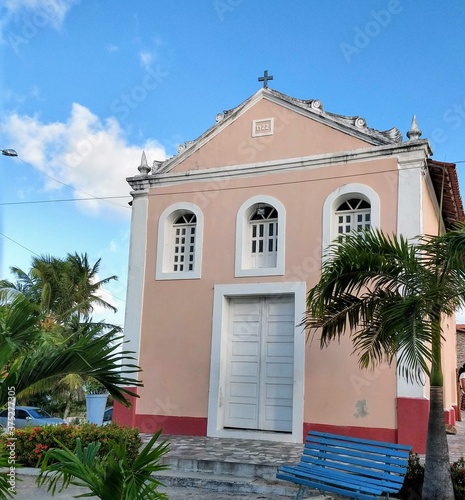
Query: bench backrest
x=380 y=462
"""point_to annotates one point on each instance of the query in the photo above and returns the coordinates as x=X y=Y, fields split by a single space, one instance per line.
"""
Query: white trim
x=263 y=126
x=339 y=195
x=136 y=274
x=222 y=293
x=375 y=139
x=165 y=242
x=410 y=196
x=242 y=248
x=253 y=169
x=410 y=201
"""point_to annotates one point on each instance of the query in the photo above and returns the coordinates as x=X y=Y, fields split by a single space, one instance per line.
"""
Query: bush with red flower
x=32 y=442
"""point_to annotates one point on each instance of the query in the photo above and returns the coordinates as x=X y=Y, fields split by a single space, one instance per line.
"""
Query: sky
x=86 y=86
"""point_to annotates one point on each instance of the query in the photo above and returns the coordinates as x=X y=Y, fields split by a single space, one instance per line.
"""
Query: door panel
x=260 y=370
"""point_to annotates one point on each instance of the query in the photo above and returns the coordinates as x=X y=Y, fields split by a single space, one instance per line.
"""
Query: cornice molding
x=407 y=154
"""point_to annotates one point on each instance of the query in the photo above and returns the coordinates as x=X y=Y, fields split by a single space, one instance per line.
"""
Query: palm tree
x=111 y=477
x=29 y=361
x=62 y=287
x=65 y=292
x=393 y=295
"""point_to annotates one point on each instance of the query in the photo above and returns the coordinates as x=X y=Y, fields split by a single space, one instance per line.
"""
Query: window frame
x=354 y=214
x=165 y=243
x=335 y=199
x=243 y=238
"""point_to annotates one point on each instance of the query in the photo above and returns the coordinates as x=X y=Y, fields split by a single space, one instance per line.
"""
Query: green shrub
x=411 y=489
x=413 y=482
x=110 y=477
x=457 y=470
x=32 y=442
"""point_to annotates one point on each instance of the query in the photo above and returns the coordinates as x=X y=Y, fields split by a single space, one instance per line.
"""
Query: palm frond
x=386 y=293
x=62 y=467
x=101 y=358
x=109 y=477
x=18 y=325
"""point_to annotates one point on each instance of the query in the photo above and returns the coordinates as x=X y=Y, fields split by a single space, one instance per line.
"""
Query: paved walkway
x=235 y=450
x=457 y=442
x=27 y=490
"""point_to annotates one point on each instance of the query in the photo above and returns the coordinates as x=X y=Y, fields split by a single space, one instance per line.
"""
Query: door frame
x=221 y=296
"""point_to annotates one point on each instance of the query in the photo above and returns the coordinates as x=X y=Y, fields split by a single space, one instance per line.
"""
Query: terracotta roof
x=452 y=207
x=460 y=328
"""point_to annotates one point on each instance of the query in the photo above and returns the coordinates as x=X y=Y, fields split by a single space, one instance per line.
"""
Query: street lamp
x=9 y=152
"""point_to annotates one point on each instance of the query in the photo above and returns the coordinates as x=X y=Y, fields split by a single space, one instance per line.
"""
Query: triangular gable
x=270 y=126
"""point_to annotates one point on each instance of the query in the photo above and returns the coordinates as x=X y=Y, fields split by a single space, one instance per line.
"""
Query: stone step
x=228 y=483
x=221 y=467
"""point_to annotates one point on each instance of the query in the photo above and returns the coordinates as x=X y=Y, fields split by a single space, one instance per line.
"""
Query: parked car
x=29 y=415
x=108 y=416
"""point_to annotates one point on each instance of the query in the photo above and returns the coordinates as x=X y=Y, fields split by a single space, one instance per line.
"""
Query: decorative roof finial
x=414 y=133
x=156 y=166
x=143 y=168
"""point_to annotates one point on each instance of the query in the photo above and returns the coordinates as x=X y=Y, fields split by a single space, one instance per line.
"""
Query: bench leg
x=300 y=492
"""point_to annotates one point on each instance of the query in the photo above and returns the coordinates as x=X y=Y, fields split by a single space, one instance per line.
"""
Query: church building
x=228 y=236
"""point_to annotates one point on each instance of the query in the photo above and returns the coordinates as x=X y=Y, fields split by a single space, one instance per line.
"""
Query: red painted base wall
x=186 y=426
x=412 y=422
x=450 y=416
x=126 y=416
x=378 y=434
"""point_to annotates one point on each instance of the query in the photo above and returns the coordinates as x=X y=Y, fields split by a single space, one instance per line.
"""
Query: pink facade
x=226 y=239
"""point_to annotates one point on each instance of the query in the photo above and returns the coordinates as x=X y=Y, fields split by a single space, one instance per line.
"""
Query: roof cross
x=265 y=79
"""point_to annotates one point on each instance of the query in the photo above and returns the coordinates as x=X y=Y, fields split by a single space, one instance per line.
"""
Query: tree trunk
x=438 y=482
x=68 y=405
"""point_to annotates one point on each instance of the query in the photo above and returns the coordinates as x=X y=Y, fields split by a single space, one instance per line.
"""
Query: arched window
x=263 y=227
x=353 y=214
x=260 y=237
x=184 y=242
x=179 y=245
x=352 y=207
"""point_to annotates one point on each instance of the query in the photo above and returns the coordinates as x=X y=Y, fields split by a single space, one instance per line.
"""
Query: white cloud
x=460 y=317
x=86 y=152
x=112 y=48
x=22 y=20
x=146 y=59
x=54 y=10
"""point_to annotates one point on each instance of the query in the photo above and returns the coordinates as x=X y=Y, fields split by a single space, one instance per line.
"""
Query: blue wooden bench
x=352 y=467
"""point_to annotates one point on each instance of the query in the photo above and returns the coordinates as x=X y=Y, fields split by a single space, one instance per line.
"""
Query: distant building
x=227 y=237
x=460 y=345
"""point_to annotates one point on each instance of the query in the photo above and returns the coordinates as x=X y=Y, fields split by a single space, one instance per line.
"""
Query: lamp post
x=9 y=152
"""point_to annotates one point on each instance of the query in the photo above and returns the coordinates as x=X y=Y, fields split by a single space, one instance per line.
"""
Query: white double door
x=260 y=363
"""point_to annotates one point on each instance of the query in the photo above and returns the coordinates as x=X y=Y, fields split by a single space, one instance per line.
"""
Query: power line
x=63 y=200
x=106 y=199
x=35 y=253
x=103 y=198
x=19 y=244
